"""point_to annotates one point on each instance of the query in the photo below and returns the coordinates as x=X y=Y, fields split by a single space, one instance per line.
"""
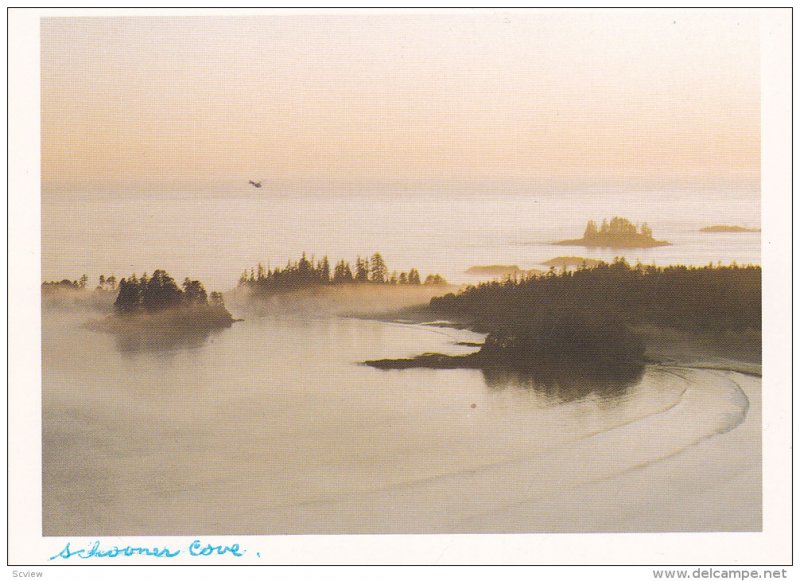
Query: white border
x=26 y=546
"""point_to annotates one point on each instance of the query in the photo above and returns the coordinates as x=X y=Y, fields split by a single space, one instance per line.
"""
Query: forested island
x=308 y=273
x=730 y=229
x=589 y=317
x=616 y=233
x=156 y=304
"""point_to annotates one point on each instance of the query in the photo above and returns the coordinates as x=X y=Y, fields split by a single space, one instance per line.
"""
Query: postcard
x=386 y=286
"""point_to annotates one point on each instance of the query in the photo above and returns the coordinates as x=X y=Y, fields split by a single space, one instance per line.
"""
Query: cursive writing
x=196 y=548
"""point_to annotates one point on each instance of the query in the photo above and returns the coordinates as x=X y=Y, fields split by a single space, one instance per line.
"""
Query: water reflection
x=164 y=341
x=566 y=383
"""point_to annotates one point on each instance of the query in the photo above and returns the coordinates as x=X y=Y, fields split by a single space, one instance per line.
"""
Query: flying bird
x=255 y=184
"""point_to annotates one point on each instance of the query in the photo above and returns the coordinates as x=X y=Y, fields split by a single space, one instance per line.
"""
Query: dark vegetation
x=105 y=283
x=571 y=262
x=500 y=270
x=307 y=273
x=159 y=293
x=582 y=320
x=79 y=293
x=154 y=313
x=616 y=233
x=726 y=228
x=562 y=357
x=705 y=299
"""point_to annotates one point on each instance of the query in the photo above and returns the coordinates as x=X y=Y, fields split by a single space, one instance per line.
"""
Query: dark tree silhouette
x=129 y=298
x=305 y=273
x=618 y=233
x=324 y=270
x=378 y=270
x=194 y=293
x=342 y=273
x=160 y=292
x=217 y=300
x=702 y=299
x=362 y=270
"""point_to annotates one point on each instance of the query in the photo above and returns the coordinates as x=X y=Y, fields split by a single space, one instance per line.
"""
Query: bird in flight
x=255 y=184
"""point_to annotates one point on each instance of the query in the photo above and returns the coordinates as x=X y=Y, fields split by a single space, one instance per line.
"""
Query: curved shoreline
x=534 y=494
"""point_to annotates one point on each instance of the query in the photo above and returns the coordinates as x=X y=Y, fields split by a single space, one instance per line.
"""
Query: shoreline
x=734 y=352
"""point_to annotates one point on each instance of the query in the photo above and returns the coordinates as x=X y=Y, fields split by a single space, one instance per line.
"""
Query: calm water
x=213 y=237
x=273 y=426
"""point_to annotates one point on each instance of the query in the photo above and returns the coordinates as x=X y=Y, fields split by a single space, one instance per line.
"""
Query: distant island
x=501 y=270
x=571 y=262
x=616 y=233
x=726 y=228
x=156 y=305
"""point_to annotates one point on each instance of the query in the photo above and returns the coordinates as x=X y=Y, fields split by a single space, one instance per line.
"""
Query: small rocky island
x=156 y=305
x=727 y=228
x=616 y=233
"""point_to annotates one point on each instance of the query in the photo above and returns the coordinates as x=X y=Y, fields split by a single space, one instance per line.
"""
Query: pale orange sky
x=470 y=98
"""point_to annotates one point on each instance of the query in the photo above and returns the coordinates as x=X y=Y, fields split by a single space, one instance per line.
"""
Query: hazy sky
x=666 y=98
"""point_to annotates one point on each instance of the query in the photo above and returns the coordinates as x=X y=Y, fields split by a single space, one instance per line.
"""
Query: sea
x=275 y=426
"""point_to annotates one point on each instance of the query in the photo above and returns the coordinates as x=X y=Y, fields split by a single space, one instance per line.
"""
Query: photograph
x=325 y=272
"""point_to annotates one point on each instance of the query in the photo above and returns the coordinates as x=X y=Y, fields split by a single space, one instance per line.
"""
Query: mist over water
x=274 y=426
x=214 y=237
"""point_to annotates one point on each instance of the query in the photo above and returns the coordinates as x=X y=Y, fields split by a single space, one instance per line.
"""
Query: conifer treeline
x=703 y=299
x=161 y=292
x=616 y=233
x=616 y=227
x=306 y=272
x=105 y=283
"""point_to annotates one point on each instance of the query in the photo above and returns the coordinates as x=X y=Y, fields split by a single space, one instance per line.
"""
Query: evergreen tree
x=378 y=270
x=437 y=279
x=325 y=270
x=161 y=292
x=362 y=270
x=129 y=297
x=342 y=272
x=413 y=276
x=194 y=293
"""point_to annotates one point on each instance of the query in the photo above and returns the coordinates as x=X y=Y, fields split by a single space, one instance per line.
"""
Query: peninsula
x=593 y=318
